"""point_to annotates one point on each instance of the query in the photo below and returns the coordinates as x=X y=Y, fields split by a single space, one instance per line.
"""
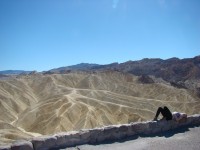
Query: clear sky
x=45 y=34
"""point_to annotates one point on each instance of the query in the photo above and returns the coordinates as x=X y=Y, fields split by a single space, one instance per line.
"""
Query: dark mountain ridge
x=172 y=69
x=81 y=67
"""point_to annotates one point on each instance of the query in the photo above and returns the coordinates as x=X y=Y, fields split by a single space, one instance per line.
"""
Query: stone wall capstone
x=98 y=135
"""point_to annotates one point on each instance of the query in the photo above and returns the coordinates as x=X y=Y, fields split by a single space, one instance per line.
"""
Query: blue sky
x=45 y=34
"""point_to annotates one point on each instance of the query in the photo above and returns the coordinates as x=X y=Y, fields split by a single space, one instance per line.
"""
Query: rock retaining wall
x=98 y=135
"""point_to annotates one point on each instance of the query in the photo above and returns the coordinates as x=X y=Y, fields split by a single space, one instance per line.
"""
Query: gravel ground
x=181 y=139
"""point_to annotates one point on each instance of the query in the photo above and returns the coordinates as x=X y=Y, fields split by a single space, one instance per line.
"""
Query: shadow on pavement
x=171 y=133
x=166 y=134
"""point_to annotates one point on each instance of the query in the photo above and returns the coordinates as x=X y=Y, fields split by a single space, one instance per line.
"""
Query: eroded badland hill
x=38 y=104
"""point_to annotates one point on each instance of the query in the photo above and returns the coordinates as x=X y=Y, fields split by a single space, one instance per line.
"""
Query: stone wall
x=98 y=135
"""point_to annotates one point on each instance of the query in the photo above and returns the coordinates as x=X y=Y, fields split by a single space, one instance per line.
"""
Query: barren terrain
x=38 y=104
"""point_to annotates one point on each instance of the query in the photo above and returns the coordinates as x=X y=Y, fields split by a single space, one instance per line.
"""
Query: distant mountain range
x=14 y=72
x=173 y=69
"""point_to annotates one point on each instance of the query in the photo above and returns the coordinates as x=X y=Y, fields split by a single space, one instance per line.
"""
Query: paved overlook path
x=179 y=139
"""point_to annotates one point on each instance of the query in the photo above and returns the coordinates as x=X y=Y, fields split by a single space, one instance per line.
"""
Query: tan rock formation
x=38 y=104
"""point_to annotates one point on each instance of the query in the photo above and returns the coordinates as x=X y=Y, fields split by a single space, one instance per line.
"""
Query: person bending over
x=166 y=113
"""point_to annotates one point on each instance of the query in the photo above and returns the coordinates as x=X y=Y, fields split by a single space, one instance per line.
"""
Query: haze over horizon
x=41 y=35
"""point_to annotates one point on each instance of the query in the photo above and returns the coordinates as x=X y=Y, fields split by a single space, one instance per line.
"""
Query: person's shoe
x=163 y=119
